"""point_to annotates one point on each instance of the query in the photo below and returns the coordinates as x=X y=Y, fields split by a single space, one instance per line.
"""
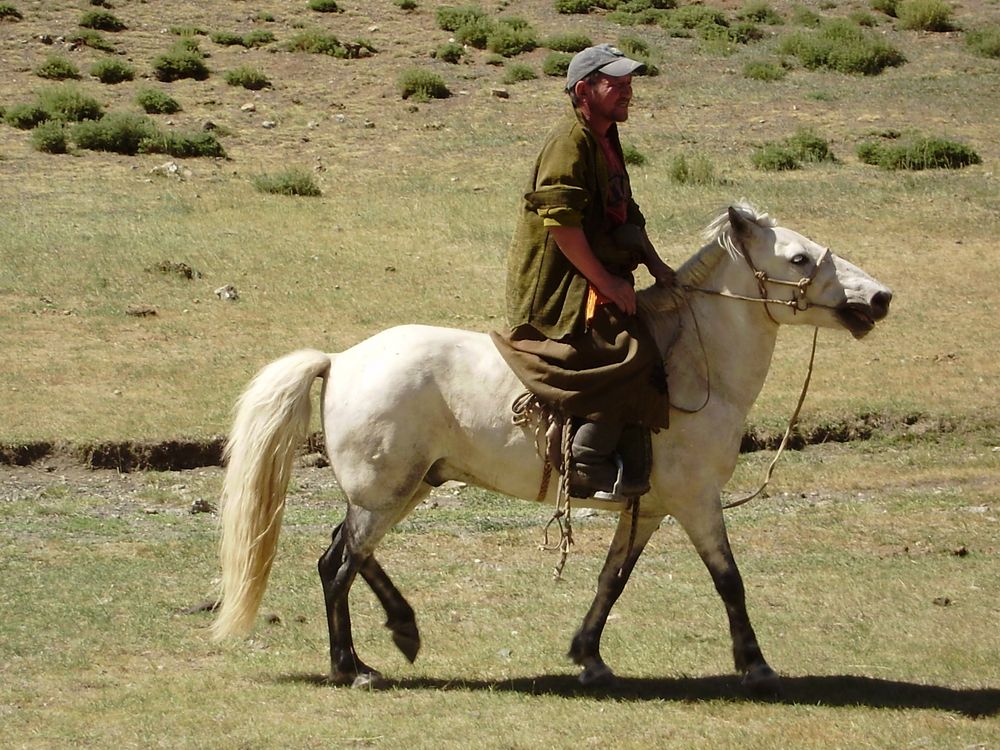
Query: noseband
x=798 y=302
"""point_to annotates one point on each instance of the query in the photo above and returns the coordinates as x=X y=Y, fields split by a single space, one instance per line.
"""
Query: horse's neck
x=738 y=340
x=729 y=340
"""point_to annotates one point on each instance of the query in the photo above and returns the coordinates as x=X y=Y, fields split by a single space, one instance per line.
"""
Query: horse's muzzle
x=860 y=318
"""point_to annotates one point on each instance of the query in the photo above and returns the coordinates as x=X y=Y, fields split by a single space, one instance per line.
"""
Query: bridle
x=798 y=303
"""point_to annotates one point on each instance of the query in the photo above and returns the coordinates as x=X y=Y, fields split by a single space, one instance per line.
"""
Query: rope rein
x=798 y=303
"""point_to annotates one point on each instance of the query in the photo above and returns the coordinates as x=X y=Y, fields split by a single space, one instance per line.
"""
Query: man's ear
x=580 y=88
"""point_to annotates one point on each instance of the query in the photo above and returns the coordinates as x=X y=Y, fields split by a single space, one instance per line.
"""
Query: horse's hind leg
x=338 y=568
x=401 y=620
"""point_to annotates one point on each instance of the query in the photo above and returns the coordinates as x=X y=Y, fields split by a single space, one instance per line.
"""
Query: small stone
x=500 y=93
x=227 y=292
x=140 y=311
x=248 y=107
x=269 y=124
x=200 y=506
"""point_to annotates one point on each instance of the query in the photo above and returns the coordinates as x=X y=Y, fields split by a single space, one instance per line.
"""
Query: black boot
x=594 y=467
x=598 y=470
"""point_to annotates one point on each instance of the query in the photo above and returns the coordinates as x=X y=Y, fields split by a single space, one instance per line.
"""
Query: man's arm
x=574 y=245
x=660 y=271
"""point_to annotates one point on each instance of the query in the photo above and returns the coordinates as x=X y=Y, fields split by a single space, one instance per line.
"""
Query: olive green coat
x=567 y=188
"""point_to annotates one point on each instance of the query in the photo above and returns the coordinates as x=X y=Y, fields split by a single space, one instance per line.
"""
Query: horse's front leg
x=707 y=531
x=585 y=649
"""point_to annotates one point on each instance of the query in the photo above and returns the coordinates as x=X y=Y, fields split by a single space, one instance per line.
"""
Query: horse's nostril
x=880 y=303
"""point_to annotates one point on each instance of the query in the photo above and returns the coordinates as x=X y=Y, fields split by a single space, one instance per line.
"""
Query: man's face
x=609 y=97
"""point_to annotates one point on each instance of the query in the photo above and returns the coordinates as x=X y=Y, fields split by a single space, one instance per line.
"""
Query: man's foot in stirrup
x=605 y=482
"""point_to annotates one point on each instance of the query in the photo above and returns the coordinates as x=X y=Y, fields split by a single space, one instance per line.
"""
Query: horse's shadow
x=818 y=690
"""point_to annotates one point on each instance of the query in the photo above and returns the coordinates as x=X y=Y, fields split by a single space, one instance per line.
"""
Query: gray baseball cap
x=607 y=59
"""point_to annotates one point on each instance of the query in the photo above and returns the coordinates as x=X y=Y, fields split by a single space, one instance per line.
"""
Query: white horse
x=415 y=406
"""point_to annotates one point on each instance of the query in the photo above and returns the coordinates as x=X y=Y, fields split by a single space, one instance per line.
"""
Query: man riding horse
x=574 y=339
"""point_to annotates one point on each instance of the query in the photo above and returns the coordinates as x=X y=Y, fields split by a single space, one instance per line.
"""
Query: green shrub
x=248 y=78
x=92 y=39
x=188 y=31
x=760 y=11
x=180 y=61
x=226 y=38
x=984 y=41
x=156 y=102
x=556 y=63
x=102 y=20
x=112 y=70
x=774 y=157
x=422 y=85
x=509 y=39
x=264 y=17
x=889 y=7
x=763 y=70
x=101 y=4
x=293 y=181
x=25 y=116
x=324 y=6
x=841 y=45
x=695 y=16
x=258 y=38
x=450 y=52
x=405 y=4
x=50 y=138
x=924 y=15
x=201 y=143
x=862 y=18
x=803 y=147
x=568 y=42
x=694 y=170
x=633 y=46
x=575 y=6
x=476 y=32
x=57 y=68
x=452 y=18
x=67 y=102
x=517 y=72
x=318 y=43
x=10 y=13
x=805 y=16
x=633 y=156
x=647 y=17
x=809 y=147
x=919 y=153
x=117 y=132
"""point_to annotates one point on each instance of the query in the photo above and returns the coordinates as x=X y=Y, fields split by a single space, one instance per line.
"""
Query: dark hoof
x=597 y=675
x=762 y=680
x=407 y=640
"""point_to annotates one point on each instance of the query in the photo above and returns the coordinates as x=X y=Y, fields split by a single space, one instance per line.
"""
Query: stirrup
x=615 y=495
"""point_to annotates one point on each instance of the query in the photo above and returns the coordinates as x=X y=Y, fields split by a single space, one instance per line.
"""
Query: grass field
x=871 y=566
x=871 y=579
x=419 y=201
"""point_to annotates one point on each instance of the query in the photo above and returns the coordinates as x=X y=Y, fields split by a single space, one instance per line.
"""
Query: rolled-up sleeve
x=561 y=195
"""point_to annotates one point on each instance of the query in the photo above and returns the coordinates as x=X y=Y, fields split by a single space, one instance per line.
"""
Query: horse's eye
x=800 y=260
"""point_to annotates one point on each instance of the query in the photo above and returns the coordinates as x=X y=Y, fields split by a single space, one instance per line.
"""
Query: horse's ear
x=742 y=227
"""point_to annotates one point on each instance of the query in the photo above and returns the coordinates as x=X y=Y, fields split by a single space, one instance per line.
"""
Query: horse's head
x=813 y=285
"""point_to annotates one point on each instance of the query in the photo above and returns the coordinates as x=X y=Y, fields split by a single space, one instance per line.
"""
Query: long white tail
x=272 y=417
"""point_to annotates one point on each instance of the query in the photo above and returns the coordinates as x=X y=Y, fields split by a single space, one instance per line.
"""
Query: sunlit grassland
x=873 y=592
x=428 y=247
